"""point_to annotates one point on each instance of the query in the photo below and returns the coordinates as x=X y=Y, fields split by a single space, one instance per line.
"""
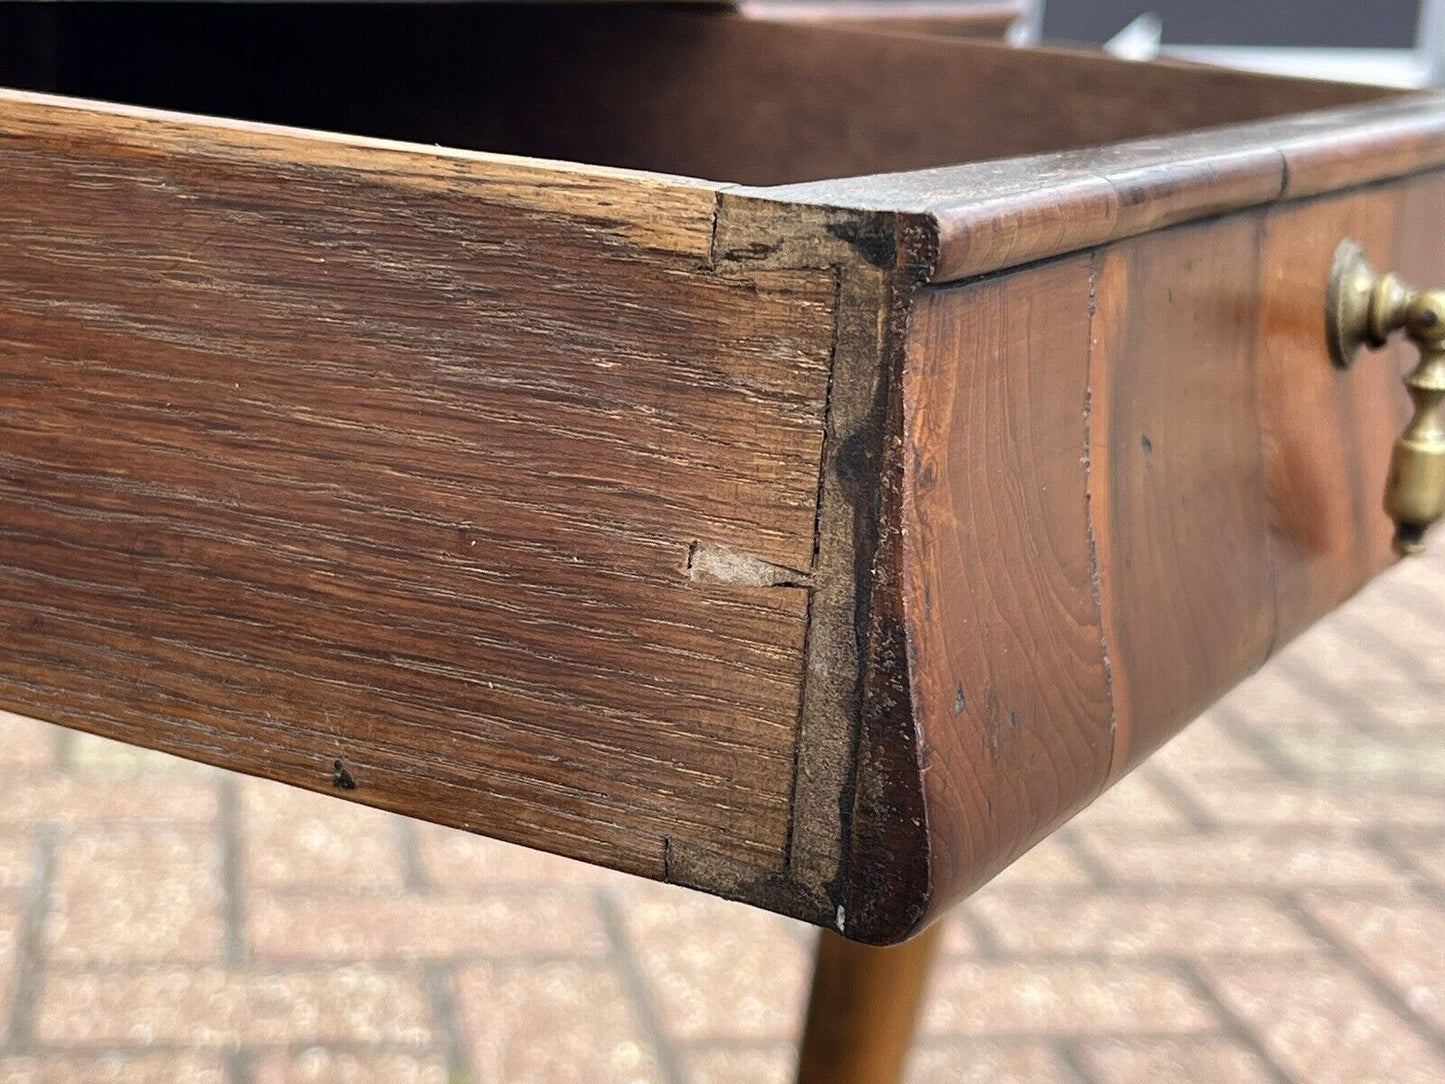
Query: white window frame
x=1421 y=66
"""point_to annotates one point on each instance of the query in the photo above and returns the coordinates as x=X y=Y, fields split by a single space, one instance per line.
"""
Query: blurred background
x=1394 y=42
x=1377 y=24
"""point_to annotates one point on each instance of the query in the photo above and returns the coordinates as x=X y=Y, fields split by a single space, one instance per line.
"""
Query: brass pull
x=1364 y=307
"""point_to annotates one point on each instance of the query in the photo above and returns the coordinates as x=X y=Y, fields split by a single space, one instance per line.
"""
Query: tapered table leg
x=863 y=1009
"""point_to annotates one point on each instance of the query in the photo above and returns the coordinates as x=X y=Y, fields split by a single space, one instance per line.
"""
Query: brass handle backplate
x=1364 y=308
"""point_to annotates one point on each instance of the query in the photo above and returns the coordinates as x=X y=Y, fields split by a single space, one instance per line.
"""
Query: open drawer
x=820 y=534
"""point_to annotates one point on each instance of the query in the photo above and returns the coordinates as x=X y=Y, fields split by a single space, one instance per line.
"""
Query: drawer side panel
x=424 y=479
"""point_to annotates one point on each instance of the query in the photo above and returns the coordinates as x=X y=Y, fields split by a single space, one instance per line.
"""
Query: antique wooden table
x=820 y=535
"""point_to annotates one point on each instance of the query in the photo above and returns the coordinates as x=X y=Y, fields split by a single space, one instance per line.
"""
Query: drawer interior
x=697 y=91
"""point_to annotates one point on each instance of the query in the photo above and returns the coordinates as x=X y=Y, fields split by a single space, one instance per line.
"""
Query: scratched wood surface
x=1133 y=475
x=997 y=214
x=290 y=482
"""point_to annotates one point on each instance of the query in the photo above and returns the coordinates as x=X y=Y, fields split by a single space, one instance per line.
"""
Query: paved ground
x=1265 y=901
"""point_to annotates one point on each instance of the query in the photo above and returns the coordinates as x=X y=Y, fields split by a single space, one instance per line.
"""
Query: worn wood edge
x=857 y=776
x=858 y=858
x=988 y=216
x=634 y=208
x=1375 y=143
x=991 y=216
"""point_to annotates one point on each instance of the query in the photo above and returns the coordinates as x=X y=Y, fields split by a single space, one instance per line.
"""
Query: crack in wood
x=711 y=562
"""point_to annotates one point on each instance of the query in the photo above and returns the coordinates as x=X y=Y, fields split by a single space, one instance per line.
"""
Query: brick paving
x=1263 y=902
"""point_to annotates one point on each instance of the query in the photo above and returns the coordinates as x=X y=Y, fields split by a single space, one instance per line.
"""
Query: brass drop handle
x=1363 y=309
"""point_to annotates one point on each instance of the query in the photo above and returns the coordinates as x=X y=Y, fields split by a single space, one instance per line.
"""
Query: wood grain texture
x=1009 y=680
x=858 y=843
x=1131 y=475
x=1334 y=150
x=989 y=216
x=863 y=1009
x=1327 y=434
x=290 y=478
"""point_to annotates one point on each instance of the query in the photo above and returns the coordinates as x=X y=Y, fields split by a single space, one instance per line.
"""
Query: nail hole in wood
x=341 y=778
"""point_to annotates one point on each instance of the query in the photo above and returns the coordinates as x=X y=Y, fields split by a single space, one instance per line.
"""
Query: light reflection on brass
x=1364 y=308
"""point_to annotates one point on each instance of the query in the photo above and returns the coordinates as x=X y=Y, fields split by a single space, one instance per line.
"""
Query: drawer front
x=1133 y=474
